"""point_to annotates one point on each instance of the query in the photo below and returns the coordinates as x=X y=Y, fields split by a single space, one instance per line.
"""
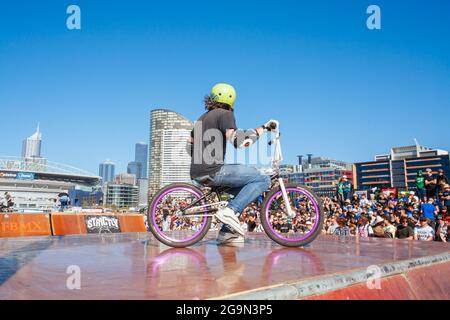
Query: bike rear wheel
x=292 y=232
x=169 y=225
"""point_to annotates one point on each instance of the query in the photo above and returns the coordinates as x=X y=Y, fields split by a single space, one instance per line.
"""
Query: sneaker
x=229 y=237
x=228 y=217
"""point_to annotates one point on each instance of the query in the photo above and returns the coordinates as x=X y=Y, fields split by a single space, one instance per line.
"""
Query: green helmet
x=224 y=93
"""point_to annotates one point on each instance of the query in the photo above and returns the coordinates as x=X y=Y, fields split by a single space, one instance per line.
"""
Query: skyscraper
x=31 y=146
x=135 y=168
x=106 y=170
x=169 y=162
x=141 y=156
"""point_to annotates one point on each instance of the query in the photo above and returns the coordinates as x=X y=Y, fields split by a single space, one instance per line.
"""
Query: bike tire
x=265 y=222
x=153 y=228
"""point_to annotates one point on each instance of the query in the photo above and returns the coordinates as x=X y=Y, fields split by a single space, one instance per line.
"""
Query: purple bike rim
x=155 y=225
x=316 y=209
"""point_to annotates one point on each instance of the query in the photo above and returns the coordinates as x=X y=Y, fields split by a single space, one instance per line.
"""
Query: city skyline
x=140 y=145
x=344 y=91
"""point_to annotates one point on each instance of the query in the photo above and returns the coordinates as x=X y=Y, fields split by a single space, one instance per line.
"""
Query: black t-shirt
x=209 y=134
x=404 y=232
x=251 y=225
x=284 y=228
x=430 y=186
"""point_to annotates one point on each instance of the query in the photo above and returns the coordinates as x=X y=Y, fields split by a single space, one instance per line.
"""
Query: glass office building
x=141 y=158
x=399 y=168
x=106 y=170
x=169 y=161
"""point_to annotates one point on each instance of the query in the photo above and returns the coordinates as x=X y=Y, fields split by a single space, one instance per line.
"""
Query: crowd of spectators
x=422 y=214
x=414 y=215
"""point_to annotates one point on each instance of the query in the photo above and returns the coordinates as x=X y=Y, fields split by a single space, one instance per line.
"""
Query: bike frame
x=275 y=177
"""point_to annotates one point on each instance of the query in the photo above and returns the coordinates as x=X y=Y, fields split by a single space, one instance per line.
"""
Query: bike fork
x=290 y=213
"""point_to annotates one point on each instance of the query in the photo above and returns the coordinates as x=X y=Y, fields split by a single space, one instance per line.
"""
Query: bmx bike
x=181 y=214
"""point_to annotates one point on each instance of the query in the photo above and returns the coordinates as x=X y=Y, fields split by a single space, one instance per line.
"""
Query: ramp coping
x=323 y=284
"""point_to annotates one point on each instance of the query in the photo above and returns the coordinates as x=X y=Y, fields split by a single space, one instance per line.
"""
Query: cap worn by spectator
x=378 y=220
x=428 y=170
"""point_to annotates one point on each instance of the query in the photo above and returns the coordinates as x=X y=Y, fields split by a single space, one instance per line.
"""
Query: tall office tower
x=141 y=156
x=107 y=171
x=135 y=168
x=31 y=146
x=169 y=162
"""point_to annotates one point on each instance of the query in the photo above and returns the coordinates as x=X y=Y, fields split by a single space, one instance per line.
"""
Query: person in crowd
x=429 y=211
x=364 y=229
x=340 y=192
x=9 y=200
x=285 y=227
x=446 y=196
x=347 y=187
x=443 y=227
x=420 y=185
x=378 y=227
x=424 y=232
x=403 y=197
x=64 y=201
x=342 y=229
x=412 y=198
x=382 y=201
x=332 y=225
x=389 y=228
x=442 y=180
x=404 y=230
x=251 y=222
x=447 y=237
x=355 y=200
x=430 y=184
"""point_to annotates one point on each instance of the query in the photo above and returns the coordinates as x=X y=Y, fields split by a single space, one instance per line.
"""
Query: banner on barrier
x=102 y=224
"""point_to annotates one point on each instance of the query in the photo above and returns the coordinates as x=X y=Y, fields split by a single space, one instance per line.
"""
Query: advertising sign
x=361 y=192
x=7 y=175
x=102 y=224
x=389 y=191
x=25 y=176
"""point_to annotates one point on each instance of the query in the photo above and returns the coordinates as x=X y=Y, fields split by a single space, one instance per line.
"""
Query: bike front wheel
x=169 y=225
x=297 y=231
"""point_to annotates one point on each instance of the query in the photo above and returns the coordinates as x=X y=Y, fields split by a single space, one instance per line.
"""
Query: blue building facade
x=106 y=170
x=141 y=157
x=398 y=173
x=85 y=199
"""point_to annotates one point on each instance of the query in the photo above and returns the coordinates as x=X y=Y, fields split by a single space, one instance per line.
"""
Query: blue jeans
x=421 y=193
x=246 y=184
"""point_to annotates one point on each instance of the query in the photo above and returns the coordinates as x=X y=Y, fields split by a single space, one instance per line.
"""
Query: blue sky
x=339 y=89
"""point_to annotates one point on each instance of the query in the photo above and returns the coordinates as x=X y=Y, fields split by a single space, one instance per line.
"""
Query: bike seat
x=204 y=181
